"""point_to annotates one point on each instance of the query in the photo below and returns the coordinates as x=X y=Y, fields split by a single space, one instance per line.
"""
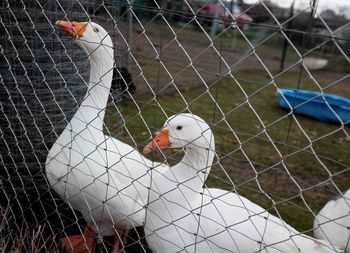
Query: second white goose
x=182 y=216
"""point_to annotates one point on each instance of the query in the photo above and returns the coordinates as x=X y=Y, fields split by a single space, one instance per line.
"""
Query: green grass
x=264 y=146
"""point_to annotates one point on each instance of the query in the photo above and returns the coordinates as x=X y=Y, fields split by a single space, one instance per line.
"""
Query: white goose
x=182 y=216
x=100 y=176
x=333 y=222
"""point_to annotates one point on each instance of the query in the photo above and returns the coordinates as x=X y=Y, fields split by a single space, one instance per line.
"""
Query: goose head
x=183 y=130
x=92 y=37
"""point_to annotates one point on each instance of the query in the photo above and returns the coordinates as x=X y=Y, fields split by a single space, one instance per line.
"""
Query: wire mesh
x=221 y=60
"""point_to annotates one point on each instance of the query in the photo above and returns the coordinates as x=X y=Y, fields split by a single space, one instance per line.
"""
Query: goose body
x=182 y=216
x=333 y=222
x=97 y=181
x=98 y=175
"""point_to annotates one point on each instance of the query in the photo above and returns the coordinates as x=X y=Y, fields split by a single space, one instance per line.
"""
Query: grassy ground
x=274 y=160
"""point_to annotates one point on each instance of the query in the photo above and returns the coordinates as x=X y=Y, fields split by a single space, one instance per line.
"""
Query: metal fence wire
x=65 y=165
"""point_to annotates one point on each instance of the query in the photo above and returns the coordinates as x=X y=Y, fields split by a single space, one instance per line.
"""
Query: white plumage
x=98 y=175
x=184 y=217
x=333 y=222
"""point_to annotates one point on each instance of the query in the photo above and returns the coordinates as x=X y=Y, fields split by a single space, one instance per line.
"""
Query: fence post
x=285 y=43
x=129 y=34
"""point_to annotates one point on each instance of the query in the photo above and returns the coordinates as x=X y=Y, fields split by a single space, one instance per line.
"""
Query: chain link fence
x=221 y=60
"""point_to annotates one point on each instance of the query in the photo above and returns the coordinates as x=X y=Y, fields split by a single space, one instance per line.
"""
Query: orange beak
x=160 y=141
x=73 y=29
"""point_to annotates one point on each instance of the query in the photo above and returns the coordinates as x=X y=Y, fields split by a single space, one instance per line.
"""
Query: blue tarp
x=321 y=106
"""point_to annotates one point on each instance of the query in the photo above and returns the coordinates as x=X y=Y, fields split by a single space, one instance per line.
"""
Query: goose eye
x=178 y=127
x=96 y=30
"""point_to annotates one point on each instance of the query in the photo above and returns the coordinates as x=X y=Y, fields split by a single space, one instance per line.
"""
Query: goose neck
x=196 y=164
x=92 y=108
x=101 y=72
